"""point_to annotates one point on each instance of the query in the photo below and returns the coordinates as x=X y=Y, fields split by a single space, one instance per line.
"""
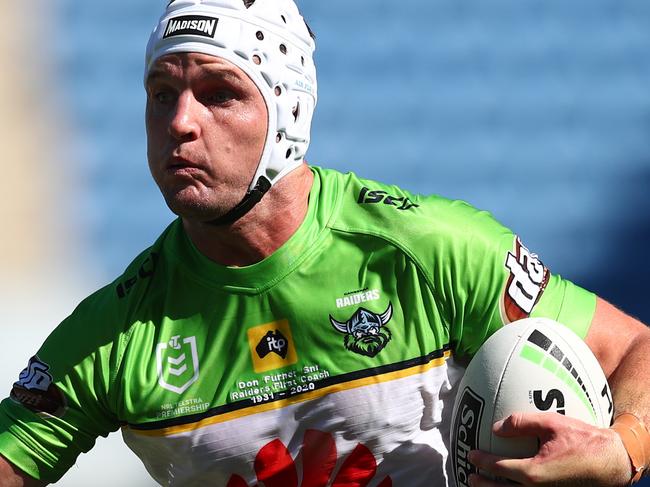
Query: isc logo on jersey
x=526 y=283
x=271 y=346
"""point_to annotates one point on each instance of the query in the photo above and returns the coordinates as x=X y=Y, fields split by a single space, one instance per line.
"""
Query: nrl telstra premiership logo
x=365 y=331
x=178 y=363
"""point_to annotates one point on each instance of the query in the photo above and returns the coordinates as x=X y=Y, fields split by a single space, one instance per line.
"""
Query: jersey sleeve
x=61 y=401
x=494 y=280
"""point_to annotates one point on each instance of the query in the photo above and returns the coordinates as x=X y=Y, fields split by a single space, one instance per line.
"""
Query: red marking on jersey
x=318 y=458
x=275 y=467
x=357 y=470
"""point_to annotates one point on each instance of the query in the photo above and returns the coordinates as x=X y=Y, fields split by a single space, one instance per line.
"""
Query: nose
x=184 y=123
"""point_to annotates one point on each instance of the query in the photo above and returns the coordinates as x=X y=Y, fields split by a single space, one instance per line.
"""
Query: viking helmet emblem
x=365 y=331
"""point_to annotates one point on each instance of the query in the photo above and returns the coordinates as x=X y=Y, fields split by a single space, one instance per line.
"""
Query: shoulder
x=107 y=311
x=89 y=345
x=390 y=212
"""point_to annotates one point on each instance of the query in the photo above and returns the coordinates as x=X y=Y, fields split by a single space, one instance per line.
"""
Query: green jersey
x=331 y=362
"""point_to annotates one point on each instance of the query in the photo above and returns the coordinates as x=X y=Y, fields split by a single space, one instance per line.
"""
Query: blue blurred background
x=537 y=111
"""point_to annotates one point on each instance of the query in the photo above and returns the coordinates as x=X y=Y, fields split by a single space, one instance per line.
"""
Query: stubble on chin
x=193 y=204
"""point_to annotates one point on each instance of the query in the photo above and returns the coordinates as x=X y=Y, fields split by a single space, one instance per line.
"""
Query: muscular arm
x=10 y=476
x=622 y=346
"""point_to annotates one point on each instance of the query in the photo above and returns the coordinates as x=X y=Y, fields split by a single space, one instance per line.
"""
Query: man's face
x=206 y=129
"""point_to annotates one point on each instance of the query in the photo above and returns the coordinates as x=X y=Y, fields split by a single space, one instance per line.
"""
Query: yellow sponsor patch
x=271 y=346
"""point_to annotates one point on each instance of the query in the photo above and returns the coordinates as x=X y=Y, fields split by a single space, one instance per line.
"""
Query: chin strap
x=251 y=198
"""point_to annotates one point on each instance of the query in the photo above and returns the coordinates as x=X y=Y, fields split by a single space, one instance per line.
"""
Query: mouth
x=180 y=166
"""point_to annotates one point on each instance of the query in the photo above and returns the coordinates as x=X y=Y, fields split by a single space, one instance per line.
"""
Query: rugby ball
x=530 y=365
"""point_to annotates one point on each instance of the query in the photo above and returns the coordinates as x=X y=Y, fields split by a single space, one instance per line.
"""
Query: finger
x=525 y=424
x=508 y=468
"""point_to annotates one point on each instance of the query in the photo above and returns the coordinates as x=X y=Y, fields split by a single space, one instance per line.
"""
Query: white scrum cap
x=271 y=43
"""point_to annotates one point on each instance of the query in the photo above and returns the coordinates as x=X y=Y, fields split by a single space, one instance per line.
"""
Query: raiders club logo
x=365 y=332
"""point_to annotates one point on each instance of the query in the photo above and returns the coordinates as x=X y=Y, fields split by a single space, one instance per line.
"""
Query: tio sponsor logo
x=465 y=432
x=273 y=342
x=271 y=346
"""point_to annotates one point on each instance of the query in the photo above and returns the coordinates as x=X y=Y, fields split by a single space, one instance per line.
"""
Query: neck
x=262 y=230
